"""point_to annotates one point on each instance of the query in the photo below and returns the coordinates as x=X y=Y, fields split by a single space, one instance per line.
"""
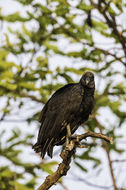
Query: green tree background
x=44 y=45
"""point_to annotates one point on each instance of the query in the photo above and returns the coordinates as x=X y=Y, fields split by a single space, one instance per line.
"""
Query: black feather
x=71 y=104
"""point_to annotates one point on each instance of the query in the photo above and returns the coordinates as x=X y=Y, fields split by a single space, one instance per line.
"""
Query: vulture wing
x=56 y=114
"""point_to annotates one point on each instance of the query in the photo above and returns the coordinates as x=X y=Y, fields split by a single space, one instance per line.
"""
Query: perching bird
x=71 y=104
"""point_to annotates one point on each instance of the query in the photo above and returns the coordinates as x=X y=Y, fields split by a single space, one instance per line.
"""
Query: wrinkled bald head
x=87 y=80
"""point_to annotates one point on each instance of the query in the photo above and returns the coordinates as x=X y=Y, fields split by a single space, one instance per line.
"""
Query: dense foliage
x=43 y=46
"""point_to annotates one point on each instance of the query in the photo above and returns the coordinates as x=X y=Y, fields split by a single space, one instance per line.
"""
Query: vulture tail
x=45 y=147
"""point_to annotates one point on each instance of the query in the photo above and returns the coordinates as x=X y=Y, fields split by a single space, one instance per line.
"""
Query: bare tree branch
x=23 y=95
x=66 y=155
x=95 y=135
x=111 y=22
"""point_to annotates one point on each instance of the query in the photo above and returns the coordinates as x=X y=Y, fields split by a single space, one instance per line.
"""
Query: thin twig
x=78 y=178
x=108 y=156
x=63 y=186
x=117 y=161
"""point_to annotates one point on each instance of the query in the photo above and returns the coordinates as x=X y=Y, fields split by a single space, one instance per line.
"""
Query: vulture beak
x=87 y=81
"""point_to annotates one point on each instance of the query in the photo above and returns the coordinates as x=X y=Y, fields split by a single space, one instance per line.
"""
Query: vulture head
x=87 y=80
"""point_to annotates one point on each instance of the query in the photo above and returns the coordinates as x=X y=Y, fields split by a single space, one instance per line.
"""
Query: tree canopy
x=44 y=45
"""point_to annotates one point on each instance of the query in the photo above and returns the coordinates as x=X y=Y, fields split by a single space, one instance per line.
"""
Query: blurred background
x=43 y=46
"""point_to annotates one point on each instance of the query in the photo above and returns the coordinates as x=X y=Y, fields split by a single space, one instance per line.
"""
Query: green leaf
x=61 y=10
x=84 y=6
x=8 y=86
x=15 y=17
x=7 y=65
x=81 y=167
x=44 y=9
x=48 y=167
x=24 y=2
x=3 y=55
x=28 y=85
x=99 y=26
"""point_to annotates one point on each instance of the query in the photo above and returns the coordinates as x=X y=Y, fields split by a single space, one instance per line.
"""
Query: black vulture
x=70 y=105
